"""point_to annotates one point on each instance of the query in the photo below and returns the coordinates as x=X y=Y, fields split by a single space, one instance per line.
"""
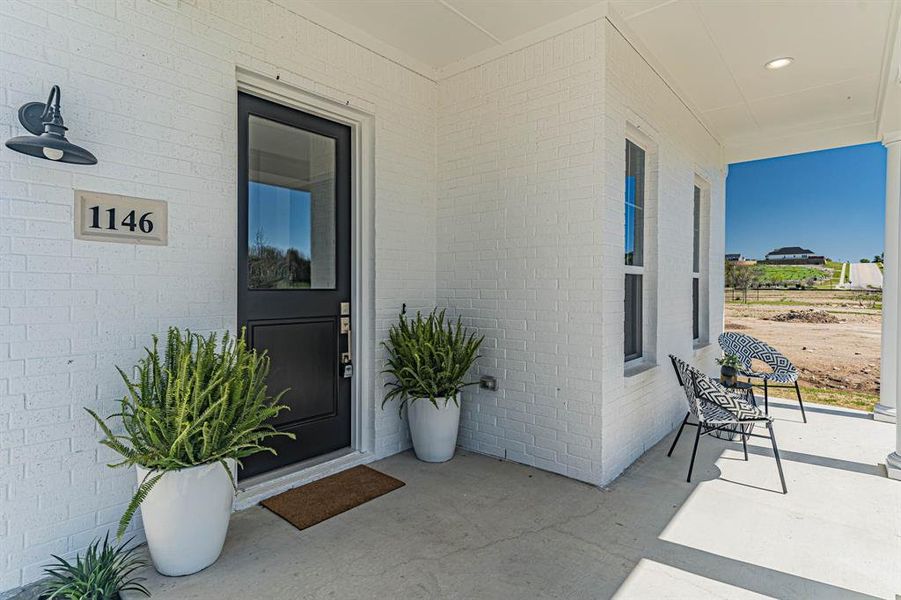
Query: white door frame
x=361 y=122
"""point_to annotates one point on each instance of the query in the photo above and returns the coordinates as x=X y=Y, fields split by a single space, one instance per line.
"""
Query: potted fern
x=428 y=359
x=189 y=417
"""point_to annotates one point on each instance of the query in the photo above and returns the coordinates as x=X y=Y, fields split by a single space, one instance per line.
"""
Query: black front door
x=294 y=271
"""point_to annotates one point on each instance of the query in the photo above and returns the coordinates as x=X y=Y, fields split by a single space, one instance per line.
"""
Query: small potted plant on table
x=189 y=417
x=730 y=365
x=428 y=359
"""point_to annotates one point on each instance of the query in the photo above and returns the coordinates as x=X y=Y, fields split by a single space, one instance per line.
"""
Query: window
x=700 y=263
x=696 y=268
x=633 y=317
x=634 y=250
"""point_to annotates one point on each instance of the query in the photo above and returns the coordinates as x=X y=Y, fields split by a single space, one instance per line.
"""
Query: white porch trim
x=270 y=484
x=887 y=408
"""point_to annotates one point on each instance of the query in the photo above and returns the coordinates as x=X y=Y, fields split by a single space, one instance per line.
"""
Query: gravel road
x=865 y=276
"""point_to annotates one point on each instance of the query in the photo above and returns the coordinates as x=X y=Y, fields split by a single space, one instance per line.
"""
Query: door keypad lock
x=347 y=368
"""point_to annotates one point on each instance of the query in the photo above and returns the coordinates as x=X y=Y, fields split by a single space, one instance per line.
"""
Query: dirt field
x=840 y=358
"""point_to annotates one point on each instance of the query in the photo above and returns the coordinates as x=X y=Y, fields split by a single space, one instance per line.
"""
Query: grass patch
x=835 y=278
x=844 y=398
x=862 y=311
x=786 y=273
x=765 y=302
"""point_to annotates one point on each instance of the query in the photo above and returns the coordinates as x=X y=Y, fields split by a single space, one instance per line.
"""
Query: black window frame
x=696 y=265
x=634 y=261
x=633 y=347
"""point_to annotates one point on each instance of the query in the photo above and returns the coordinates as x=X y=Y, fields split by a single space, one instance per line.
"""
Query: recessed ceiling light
x=778 y=63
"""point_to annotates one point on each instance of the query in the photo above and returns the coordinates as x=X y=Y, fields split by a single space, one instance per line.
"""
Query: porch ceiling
x=715 y=53
x=843 y=88
x=441 y=32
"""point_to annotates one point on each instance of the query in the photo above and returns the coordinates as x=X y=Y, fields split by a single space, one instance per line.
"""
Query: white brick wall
x=515 y=167
x=149 y=87
x=520 y=180
x=530 y=202
x=640 y=409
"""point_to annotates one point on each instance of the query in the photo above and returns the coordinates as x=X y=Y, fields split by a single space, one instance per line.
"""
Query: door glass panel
x=290 y=207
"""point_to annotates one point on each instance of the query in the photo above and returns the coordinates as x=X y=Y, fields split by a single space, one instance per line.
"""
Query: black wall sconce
x=48 y=141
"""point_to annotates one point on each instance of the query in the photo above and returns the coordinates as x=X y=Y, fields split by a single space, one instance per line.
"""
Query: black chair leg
x=681 y=427
x=766 y=397
x=769 y=426
x=694 y=451
x=744 y=441
x=801 y=402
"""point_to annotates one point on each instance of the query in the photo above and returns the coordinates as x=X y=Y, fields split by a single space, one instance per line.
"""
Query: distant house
x=795 y=255
x=790 y=253
x=734 y=257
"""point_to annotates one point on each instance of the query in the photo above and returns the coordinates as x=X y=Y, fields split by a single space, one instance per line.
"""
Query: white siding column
x=888 y=400
x=888 y=388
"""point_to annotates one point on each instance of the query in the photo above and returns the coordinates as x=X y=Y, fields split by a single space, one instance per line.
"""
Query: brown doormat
x=323 y=499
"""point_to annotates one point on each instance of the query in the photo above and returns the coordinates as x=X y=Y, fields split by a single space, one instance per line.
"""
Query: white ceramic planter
x=434 y=430
x=186 y=517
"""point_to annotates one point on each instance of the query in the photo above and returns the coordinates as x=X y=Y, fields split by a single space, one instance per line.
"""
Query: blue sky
x=831 y=201
x=282 y=214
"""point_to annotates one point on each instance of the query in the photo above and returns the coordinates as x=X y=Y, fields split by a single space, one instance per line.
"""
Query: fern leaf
x=136 y=500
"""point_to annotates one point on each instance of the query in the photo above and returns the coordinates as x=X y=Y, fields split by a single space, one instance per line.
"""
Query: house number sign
x=124 y=219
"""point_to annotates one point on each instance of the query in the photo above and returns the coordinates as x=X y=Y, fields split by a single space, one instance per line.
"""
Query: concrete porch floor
x=478 y=527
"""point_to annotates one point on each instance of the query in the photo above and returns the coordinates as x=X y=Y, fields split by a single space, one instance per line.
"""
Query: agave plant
x=428 y=358
x=202 y=402
x=101 y=574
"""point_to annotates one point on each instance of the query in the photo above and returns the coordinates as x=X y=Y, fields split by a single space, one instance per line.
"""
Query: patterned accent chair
x=782 y=373
x=716 y=408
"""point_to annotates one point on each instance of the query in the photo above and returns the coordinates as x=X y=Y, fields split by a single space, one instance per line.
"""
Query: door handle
x=345 y=330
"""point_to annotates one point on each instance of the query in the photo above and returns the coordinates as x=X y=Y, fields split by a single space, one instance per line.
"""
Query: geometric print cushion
x=738 y=344
x=749 y=348
x=685 y=377
x=782 y=376
x=709 y=391
x=712 y=414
